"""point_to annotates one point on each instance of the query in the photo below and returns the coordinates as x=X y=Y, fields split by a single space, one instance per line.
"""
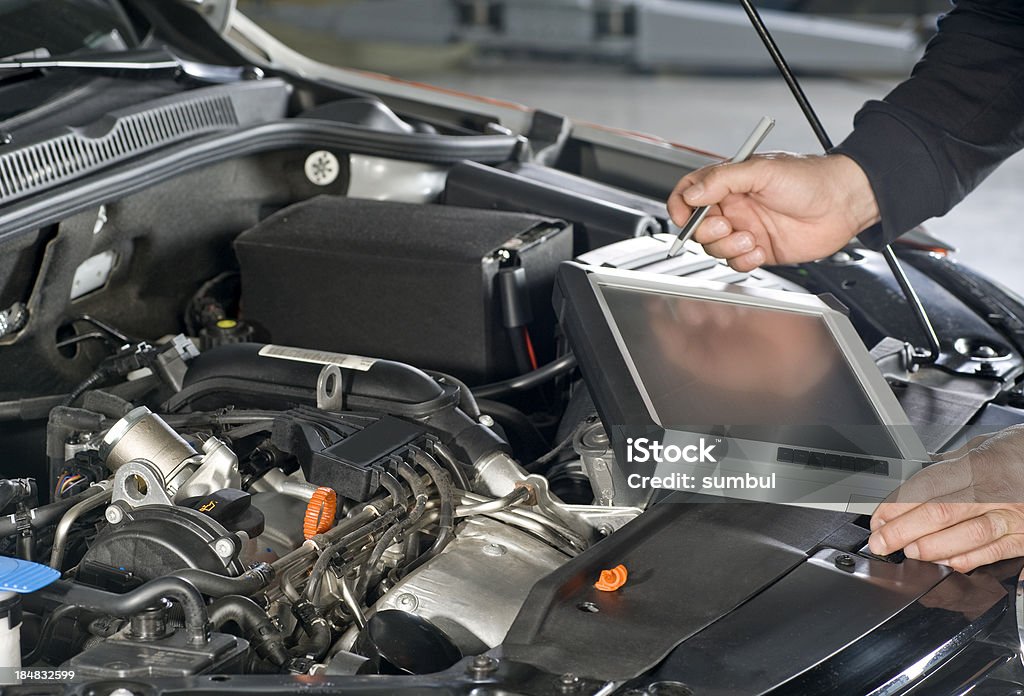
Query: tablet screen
x=745 y=371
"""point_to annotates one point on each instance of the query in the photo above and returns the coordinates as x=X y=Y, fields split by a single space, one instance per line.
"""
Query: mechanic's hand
x=777 y=208
x=964 y=511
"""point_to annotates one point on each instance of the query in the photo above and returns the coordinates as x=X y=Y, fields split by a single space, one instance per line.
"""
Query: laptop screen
x=744 y=371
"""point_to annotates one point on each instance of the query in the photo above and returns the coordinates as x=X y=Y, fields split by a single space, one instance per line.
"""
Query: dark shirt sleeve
x=935 y=137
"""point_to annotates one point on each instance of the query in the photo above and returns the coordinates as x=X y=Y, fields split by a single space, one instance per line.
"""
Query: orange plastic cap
x=320 y=512
x=613 y=579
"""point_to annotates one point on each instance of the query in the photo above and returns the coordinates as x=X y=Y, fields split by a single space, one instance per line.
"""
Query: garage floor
x=716 y=113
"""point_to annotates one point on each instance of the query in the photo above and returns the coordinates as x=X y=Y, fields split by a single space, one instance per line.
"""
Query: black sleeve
x=935 y=137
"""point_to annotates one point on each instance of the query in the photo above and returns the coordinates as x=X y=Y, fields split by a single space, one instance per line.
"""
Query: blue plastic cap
x=23 y=577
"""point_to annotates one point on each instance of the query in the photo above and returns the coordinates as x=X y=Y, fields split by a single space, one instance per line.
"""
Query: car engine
x=219 y=504
x=359 y=529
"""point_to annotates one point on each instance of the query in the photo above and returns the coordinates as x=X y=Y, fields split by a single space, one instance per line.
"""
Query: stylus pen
x=744 y=153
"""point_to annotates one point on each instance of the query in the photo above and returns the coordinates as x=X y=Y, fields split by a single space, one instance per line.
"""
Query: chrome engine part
x=474 y=589
x=155 y=465
x=142 y=435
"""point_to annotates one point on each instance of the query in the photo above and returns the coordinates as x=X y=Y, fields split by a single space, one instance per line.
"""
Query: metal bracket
x=138 y=483
x=328 y=389
x=558 y=510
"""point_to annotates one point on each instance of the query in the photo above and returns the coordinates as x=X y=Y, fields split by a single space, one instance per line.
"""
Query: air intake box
x=439 y=287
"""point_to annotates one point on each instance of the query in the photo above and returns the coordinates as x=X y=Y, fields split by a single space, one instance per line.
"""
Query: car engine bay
x=329 y=507
x=305 y=411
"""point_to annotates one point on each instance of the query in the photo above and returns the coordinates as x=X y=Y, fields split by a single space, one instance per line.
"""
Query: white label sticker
x=319 y=357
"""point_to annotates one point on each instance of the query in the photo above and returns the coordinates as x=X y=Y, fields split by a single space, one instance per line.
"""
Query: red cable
x=529 y=348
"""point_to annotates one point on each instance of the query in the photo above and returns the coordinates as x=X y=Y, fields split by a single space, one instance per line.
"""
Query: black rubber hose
x=100 y=375
x=393 y=487
x=527 y=381
x=264 y=637
x=197 y=623
x=110 y=405
x=410 y=476
x=216 y=585
x=392 y=534
x=458 y=474
x=316 y=575
x=45 y=515
x=467 y=401
x=35 y=408
x=443 y=483
x=519 y=427
x=318 y=633
x=12 y=490
x=446 y=513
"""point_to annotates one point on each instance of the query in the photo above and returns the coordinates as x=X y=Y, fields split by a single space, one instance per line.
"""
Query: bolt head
x=486 y=421
x=481 y=666
x=407 y=601
x=224 y=548
x=493 y=549
x=113 y=514
x=844 y=560
x=121 y=691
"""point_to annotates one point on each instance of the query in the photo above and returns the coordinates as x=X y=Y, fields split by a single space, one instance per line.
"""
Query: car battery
x=436 y=286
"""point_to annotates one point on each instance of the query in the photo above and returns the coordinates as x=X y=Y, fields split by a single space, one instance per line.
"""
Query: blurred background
x=692 y=72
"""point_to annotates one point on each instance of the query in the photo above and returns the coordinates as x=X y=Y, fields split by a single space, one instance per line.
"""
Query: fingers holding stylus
x=700 y=194
x=736 y=246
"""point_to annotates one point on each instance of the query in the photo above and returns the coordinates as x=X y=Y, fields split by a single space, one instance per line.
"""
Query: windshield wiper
x=147 y=62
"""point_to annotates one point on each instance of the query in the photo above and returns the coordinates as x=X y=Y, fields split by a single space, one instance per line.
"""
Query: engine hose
x=446 y=514
x=467 y=401
x=443 y=483
x=318 y=633
x=392 y=486
x=410 y=476
x=396 y=530
x=15 y=490
x=264 y=637
x=517 y=424
x=316 y=575
x=46 y=515
x=100 y=375
x=216 y=585
x=454 y=468
x=527 y=381
x=34 y=408
x=197 y=623
x=63 y=531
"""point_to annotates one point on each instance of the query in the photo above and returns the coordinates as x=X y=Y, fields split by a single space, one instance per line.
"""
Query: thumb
x=722 y=180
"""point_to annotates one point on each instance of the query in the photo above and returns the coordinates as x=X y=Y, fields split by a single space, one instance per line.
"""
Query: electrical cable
x=527 y=381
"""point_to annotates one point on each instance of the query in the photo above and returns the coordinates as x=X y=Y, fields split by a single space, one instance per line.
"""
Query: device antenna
x=921 y=356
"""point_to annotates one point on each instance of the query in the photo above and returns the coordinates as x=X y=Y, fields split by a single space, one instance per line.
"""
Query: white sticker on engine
x=319 y=357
